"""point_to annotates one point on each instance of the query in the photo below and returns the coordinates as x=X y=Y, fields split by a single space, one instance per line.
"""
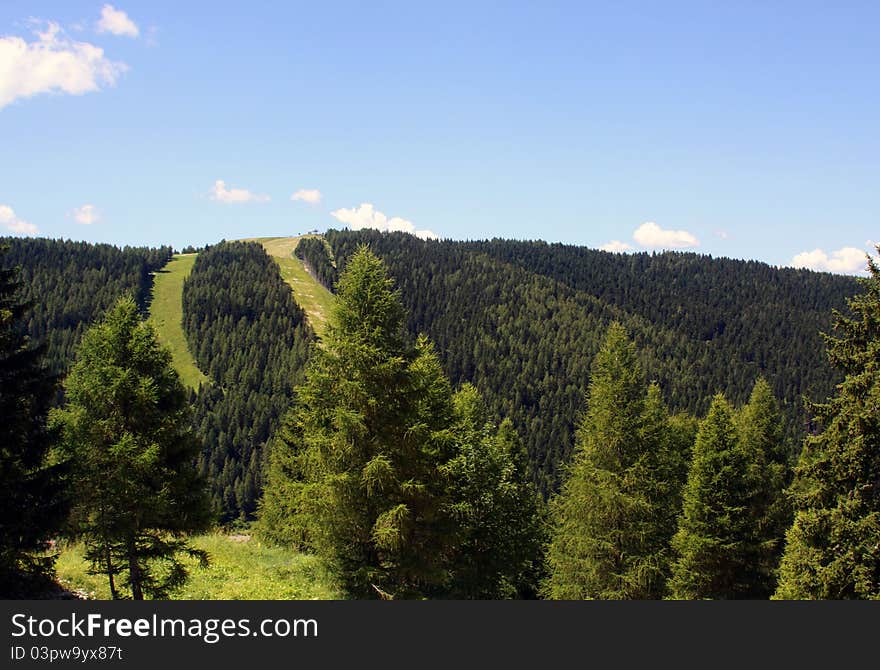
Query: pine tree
x=500 y=512
x=715 y=545
x=32 y=493
x=609 y=537
x=126 y=432
x=761 y=436
x=833 y=547
x=369 y=442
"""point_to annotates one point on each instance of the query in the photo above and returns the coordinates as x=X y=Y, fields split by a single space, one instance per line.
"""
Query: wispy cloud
x=53 y=64
x=15 y=224
x=86 y=215
x=309 y=195
x=234 y=195
x=616 y=246
x=367 y=216
x=650 y=235
x=846 y=260
x=117 y=22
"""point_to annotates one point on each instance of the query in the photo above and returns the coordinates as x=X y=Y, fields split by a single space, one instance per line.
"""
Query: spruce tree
x=498 y=509
x=661 y=472
x=609 y=537
x=761 y=436
x=32 y=492
x=369 y=444
x=126 y=430
x=714 y=543
x=833 y=547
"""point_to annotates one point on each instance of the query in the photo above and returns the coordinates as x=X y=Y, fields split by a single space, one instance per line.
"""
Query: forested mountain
x=525 y=332
x=751 y=312
x=70 y=285
x=411 y=482
x=251 y=339
x=520 y=320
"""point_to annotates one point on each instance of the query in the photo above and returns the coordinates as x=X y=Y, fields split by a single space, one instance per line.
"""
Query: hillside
x=251 y=338
x=70 y=285
x=166 y=314
x=522 y=321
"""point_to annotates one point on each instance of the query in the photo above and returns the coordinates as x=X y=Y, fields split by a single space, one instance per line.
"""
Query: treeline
x=71 y=284
x=527 y=340
x=250 y=338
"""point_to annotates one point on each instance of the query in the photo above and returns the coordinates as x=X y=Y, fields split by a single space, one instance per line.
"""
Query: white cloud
x=13 y=223
x=53 y=63
x=616 y=246
x=847 y=260
x=723 y=234
x=649 y=234
x=86 y=215
x=309 y=195
x=233 y=195
x=366 y=216
x=116 y=21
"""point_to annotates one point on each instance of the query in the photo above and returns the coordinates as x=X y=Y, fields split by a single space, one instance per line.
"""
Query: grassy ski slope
x=166 y=315
x=308 y=292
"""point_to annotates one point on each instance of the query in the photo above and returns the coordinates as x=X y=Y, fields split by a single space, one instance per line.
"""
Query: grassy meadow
x=241 y=568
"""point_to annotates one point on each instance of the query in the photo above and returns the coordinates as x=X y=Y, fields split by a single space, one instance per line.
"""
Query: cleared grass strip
x=308 y=292
x=166 y=315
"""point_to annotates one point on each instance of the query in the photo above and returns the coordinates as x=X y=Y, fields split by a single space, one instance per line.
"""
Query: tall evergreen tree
x=609 y=537
x=499 y=510
x=661 y=472
x=833 y=548
x=761 y=436
x=715 y=545
x=32 y=496
x=371 y=440
x=126 y=430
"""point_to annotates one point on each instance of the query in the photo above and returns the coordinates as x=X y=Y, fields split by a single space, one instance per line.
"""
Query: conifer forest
x=491 y=419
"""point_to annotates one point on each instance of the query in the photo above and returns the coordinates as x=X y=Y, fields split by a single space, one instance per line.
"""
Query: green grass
x=308 y=292
x=166 y=314
x=238 y=570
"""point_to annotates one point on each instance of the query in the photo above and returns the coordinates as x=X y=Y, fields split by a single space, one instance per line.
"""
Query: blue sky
x=741 y=129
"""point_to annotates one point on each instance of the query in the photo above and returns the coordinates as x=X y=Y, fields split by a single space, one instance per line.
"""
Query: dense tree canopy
x=524 y=328
x=71 y=284
x=500 y=514
x=833 y=549
x=32 y=492
x=730 y=529
x=611 y=521
x=250 y=337
x=410 y=489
